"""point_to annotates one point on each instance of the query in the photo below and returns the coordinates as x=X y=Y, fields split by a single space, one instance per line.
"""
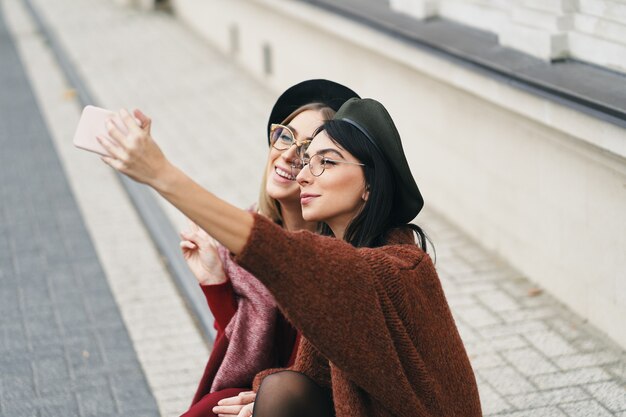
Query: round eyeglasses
x=282 y=138
x=317 y=164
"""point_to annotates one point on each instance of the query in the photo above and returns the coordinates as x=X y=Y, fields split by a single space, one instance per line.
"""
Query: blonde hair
x=267 y=205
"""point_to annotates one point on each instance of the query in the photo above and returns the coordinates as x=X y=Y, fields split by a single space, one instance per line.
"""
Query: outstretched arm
x=137 y=155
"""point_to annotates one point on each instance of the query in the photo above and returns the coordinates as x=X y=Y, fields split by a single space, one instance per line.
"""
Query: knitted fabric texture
x=376 y=326
x=250 y=331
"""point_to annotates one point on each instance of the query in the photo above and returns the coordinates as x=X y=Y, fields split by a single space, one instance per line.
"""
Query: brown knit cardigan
x=376 y=325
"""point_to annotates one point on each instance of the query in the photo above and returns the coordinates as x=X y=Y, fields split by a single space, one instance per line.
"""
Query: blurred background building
x=513 y=114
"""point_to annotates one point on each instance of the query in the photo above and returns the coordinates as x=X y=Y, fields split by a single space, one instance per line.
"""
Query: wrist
x=214 y=280
x=165 y=179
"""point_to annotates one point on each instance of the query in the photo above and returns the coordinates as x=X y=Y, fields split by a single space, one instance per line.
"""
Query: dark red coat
x=223 y=304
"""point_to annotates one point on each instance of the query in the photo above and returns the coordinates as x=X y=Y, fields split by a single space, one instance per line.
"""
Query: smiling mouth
x=284 y=174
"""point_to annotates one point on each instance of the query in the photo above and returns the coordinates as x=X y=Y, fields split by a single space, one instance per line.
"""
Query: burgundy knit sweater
x=377 y=327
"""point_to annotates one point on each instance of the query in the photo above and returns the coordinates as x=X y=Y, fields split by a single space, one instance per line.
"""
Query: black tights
x=292 y=394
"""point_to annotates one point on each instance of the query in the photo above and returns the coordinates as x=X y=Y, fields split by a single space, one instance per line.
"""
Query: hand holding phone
x=92 y=123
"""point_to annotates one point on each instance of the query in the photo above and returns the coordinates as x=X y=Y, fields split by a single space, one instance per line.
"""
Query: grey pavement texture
x=532 y=356
x=64 y=350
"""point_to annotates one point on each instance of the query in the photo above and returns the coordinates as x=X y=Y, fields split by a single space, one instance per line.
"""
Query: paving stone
x=535 y=412
x=174 y=376
x=486 y=361
x=131 y=393
x=149 y=413
x=512 y=329
x=546 y=398
x=120 y=359
x=16 y=363
x=460 y=300
x=569 y=378
x=477 y=316
x=13 y=337
x=38 y=294
x=18 y=388
x=550 y=343
x=536 y=301
x=612 y=394
x=96 y=402
x=496 y=344
x=529 y=362
x=484 y=271
x=506 y=380
x=42 y=327
x=18 y=408
x=61 y=278
x=498 y=301
x=58 y=406
x=65 y=388
x=539 y=313
x=72 y=313
x=474 y=288
x=31 y=263
x=112 y=337
x=50 y=368
x=466 y=332
x=587 y=344
x=585 y=409
x=84 y=355
x=491 y=402
x=586 y=360
x=619 y=370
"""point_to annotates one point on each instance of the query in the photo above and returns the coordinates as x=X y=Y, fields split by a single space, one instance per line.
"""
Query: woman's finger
x=146 y=122
x=113 y=163
x=129 y=122
x=185 y=244
x=116 y=135
x=236 y=400
x=246 y=411
x=113 y=149
x=247 y=397
x=227 y=409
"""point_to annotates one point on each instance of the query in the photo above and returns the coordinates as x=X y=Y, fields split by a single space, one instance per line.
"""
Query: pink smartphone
x=92 y=123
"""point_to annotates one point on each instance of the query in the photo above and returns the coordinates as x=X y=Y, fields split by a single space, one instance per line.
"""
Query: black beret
x=373 y=120
x=327 y=92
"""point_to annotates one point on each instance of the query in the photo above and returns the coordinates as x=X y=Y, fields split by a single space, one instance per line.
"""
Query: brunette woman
x=378 y=338
x=252 y=333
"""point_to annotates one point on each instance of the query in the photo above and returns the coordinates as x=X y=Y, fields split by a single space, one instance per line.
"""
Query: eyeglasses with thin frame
x=283 y=138
x=317 y=164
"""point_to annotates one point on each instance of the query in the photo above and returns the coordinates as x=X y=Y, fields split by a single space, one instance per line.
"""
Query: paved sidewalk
x=170 y=349
x=532 y=356
x=64 y=350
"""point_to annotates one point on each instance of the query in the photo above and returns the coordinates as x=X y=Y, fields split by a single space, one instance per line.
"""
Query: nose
x=304 y=177
x=288 y=155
